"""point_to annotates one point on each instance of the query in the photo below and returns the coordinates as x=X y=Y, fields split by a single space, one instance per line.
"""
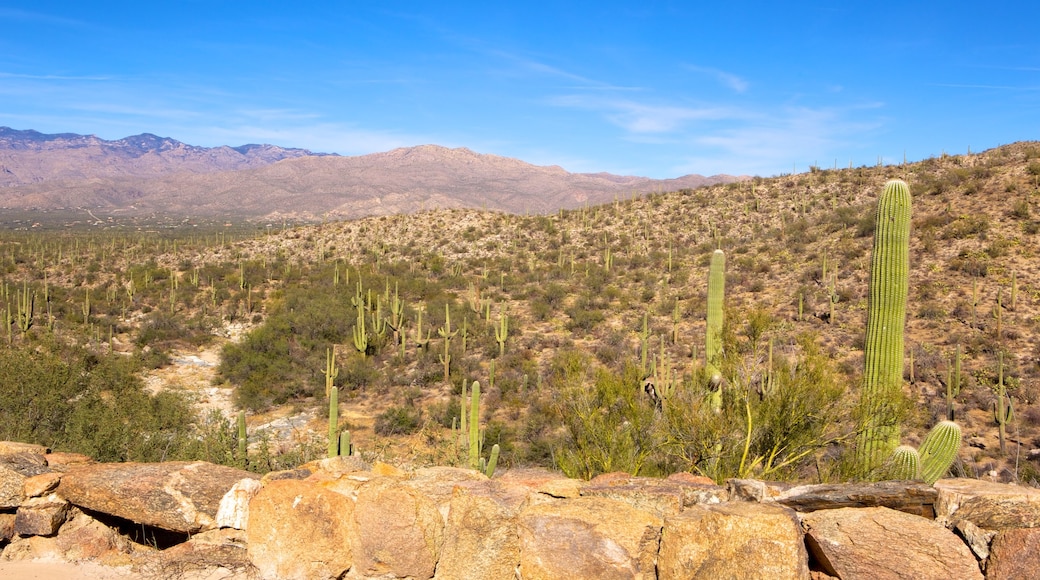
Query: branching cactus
x=1003 y=412
x=713 y=334
x=878 y=429
x=502 y=333
x=953 y=383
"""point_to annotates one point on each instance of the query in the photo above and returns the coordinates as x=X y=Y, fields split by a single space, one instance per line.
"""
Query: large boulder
x=178 y=496
x=881 y=544
x=588 y=538
x=733 y=540
x=299 y=530
x=988 y=505
x=398 y=530
x=663 y=497
x=480 y=538
x=1014 y=554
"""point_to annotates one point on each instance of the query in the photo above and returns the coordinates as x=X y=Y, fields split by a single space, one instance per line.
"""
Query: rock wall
x=342 y=518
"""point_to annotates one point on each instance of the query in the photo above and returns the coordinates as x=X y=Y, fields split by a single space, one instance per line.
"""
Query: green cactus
x=334 y=422
x=345 y=446
x=713 y=334
x=26 y=302
x=360 y=334
x=331 y=370
x=447 y=334
x=474 y=428
x=1003 y=411
x=502 y=333
x=492 y=462
x=878 y=429
x=906 y=463
x=953 y=382
x=243 y=444
x=939 y=450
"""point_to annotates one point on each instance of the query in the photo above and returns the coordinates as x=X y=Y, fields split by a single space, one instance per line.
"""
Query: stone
x=336 y=466
x=588 y=538
x=60 y=460
x=12 y=487
x=176 y=495
x=543 y=481
x=1014 y=554
x=233 y=510
x=25 y=464
x=881 y=543
x=41 y=516
x=42 y=484
x=81 y=538
x=755 y=490
x=398 y=531
x=912 y=497
x=10 y=447
x=480 y=539
x=210 y=554
x=438 y=484
x=6 y=527
x=300 y=530
x=988 y=505
x=663 y=497
x=977 y=539
x=733 y=540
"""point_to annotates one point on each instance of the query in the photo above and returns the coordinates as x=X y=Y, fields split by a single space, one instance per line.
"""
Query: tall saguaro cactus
x=716 y=295
x=878 y=429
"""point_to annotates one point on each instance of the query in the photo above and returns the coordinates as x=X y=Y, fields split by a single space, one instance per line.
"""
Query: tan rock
x=480 y=538
x=733 y=540
x=41 y=516
x=398 y=531
x=12 y=487
x=335 y=466
x=543 y=481
x=686 y=477
x=1014 y=554
x=385 y=469
x=588 y=538
x=988 y=505
x=881 y=544
x=175 y=495
x=84 y=538
x=299 y=530
x=212 y=554
x=233 y=510
x=663 y=497
x=42 y=484
x=11 y=447
x=61 y=460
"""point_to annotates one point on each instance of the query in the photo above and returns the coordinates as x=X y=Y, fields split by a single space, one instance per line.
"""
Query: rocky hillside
x=151 y=175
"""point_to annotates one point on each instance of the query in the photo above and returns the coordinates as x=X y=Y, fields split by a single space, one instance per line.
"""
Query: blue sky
x=659 y=89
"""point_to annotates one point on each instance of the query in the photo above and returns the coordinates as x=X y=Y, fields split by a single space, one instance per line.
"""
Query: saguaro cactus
x=878 y=431
x=716 y=295
x=334 y=422
x=939 y=450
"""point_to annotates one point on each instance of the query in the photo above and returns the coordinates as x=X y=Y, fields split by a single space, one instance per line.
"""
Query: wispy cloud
x=638 y=117
x=52 y=77
x=734 y=82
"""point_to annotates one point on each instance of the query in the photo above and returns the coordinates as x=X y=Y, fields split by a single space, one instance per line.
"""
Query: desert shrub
x=398 y=420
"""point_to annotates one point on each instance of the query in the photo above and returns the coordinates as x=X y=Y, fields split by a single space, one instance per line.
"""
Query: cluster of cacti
x=932 y=459
x=878 y=429
x=331 y=370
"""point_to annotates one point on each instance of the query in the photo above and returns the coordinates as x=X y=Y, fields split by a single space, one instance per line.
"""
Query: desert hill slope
x=147 y=174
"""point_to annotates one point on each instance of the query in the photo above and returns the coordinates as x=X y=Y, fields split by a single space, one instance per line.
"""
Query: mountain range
x=146 y=174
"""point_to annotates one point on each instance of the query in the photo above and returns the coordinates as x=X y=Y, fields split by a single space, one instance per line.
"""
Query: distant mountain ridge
x=150 y=174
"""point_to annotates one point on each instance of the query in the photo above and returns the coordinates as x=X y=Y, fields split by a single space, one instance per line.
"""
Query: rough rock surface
x=300 y=531
x=882 y=543
x=41 y=516
x=988 y=505
x=1014 y=554
x=733 y=540
x=176 y=495
x=397 y=530
x=588 y=538
x=480 y=539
